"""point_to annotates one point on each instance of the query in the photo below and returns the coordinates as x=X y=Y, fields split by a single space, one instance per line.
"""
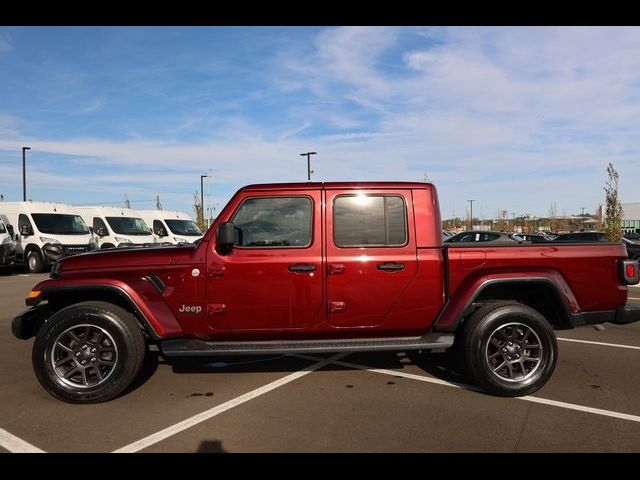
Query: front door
x=273 y=277
x=371 y=254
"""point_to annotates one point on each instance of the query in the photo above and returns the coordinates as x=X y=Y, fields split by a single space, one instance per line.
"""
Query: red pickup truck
x=322 y=267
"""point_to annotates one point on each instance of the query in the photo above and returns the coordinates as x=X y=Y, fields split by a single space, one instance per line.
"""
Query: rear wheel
x=88 y=352
x=510 y=349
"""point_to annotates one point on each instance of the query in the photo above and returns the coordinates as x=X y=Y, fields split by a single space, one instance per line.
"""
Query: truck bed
x=573 y=264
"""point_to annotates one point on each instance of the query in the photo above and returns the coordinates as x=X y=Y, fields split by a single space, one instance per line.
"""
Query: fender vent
x=159 y=284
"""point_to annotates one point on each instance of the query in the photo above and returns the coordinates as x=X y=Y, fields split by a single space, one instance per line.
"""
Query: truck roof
x=335 y=185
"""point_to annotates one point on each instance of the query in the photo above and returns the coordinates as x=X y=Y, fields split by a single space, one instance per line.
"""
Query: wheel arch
x=543 y=294
x=59 y=297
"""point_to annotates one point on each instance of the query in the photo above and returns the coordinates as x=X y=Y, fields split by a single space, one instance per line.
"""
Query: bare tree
x=613 y=208
x=197 y=207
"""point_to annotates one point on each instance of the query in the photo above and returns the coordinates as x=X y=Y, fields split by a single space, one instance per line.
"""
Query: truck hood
x=124 y=257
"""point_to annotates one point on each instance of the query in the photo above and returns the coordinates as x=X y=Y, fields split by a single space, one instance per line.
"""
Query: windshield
x=184 y=227
x=128 y=225
x=60 y=224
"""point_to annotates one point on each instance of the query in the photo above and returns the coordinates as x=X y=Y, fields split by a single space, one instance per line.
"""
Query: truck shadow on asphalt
x=445 y=366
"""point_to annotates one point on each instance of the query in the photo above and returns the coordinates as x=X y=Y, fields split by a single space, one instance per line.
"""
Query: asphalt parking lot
x=383 y=402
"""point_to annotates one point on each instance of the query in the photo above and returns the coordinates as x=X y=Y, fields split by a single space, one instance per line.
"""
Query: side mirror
x=101 y=231
x=225 y=237
x=25 y=231
x=91 y=229
x=10 y=230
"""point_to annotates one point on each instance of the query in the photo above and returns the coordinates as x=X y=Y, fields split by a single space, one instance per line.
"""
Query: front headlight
x=122 y=240
x=49 y=240
x=93 y=244
x=181 y=240
x=6 y=241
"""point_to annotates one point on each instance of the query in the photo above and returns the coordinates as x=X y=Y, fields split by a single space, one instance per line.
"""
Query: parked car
x=582 y=237
x=482 y=236
x=45 y=232
x=536 y=238
x=7 y=246
x=633 y=248
x=171 y=226
x=632 y=235
x=117 y=227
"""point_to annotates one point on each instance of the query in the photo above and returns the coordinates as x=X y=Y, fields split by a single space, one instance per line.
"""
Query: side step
x=195 y=347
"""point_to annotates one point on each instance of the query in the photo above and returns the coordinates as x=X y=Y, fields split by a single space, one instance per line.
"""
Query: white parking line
x=554 y=403
x=15 y=444
x=633 y=298
x=206 y=415
x=599 y=343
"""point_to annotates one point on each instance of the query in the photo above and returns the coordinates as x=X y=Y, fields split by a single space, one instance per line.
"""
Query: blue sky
x=514 y=117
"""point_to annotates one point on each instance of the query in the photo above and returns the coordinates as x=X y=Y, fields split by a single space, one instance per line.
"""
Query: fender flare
x=453 y=312
x=158 y=321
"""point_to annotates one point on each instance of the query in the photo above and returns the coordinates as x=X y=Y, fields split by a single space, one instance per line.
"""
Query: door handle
x=390 y=267
x=302 y=267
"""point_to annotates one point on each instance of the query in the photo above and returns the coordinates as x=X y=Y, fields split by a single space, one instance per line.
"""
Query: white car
x=45 y=232
x=172 y=226
x=117 y=227
x=7 y=246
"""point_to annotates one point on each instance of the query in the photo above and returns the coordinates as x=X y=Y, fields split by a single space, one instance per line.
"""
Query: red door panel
x=365 y=279
x=267 y=286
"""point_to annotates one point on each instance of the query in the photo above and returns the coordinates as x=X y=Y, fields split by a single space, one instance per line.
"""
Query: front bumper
x=26 y=324
x=54 y=251
x=627 y=314
x=7 y=254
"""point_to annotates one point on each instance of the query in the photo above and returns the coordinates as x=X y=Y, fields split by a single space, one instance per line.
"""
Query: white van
x=7 y=246
x=117 y=227
x=45 y=232
x=171 y=226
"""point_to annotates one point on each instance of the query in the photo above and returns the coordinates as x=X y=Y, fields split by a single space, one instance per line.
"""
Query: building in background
x=631 y=217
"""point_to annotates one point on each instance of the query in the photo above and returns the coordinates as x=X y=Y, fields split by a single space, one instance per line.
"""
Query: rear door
x=371 y=254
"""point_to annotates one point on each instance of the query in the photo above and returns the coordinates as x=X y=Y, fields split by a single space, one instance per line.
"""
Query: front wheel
x=510 y=349
x=89 y=352
x=35 y=262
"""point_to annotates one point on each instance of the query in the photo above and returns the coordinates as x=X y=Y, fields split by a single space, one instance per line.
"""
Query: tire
x=500 y=352
x=104 y=336
x=35 y=262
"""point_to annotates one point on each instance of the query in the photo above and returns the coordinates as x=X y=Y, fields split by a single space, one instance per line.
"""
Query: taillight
x=629 y=271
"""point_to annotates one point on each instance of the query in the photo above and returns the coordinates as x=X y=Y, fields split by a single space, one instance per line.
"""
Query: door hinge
x=337 y=307
x=215 y=271
x=216 y=308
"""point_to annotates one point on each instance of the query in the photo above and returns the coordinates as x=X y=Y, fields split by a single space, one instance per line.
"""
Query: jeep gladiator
x=321 y=267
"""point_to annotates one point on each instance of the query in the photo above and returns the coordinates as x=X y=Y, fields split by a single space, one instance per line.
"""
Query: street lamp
x=309 y=171
x=24 y=174
x=202 y=199
x=471 y=222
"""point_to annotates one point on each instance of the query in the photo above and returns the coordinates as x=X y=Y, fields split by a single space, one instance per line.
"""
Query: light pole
x=24 y=174
x=202 y=200
x=309 y=171
x=471 y=220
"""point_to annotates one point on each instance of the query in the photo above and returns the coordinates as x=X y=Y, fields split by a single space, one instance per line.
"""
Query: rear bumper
x=627 y=314
x=7 y=255
x=622 y=315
